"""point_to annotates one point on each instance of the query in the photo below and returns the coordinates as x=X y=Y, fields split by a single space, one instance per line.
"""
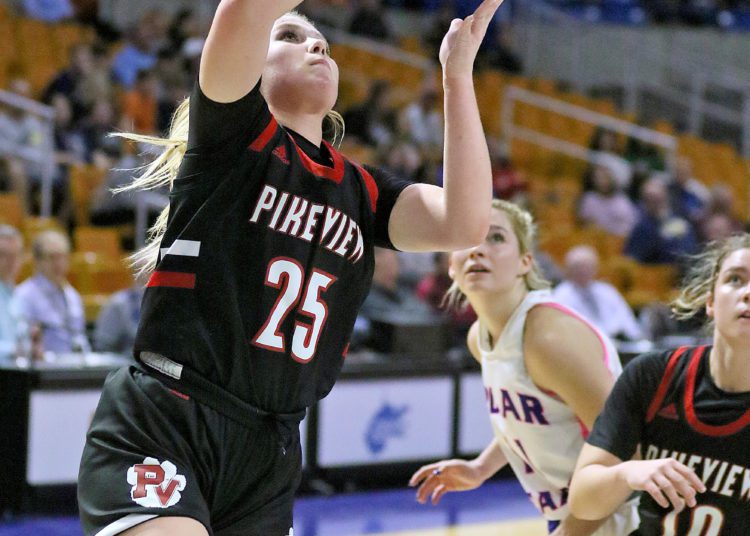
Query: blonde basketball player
x=546 y=374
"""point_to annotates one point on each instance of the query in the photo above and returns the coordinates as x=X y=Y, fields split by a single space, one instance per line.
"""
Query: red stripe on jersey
x=261 y=141
x=372 y=187
x=692 y=417
x=171 y=279
x=335 y=173
x=666 y=379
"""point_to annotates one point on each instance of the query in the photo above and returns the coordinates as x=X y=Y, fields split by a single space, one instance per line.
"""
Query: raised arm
x=236 y=47
x=456 y=216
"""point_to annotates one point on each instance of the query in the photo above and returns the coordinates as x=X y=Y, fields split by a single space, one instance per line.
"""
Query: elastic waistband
x=185 y=380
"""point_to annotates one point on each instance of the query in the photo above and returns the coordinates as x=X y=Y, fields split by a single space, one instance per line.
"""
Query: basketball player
x=257 y=271
x=689 y=409
x=546 y=373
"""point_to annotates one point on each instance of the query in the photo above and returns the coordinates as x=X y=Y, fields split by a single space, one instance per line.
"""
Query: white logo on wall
x=155 y=485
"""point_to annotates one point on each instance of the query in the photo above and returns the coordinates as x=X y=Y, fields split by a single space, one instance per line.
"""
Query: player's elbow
x=582 y=506
x=470 y=231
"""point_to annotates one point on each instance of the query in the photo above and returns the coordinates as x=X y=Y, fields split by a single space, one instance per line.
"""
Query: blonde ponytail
x=161 y=172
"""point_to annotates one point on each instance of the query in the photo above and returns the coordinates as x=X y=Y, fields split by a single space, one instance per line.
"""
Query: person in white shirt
x=598 y=301
x=546 y=373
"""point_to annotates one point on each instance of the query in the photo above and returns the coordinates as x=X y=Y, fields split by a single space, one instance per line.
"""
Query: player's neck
x=495 y=311
x=729 y=369
x=308 y=126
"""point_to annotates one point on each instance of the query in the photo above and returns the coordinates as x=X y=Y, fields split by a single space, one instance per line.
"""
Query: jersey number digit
x=288 y=276
x=704 y=521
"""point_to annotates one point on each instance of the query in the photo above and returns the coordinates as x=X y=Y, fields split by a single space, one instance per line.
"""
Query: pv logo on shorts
x=155 y=485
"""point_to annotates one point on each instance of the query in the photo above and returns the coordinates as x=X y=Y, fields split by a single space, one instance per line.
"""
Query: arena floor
x=499 y=508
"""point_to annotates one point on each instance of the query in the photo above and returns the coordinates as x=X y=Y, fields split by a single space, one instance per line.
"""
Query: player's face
x=496 y=265
x=729 y=304
x=299 y=72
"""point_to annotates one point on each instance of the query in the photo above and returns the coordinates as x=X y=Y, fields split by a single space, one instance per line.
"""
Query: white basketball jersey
x=539 y=434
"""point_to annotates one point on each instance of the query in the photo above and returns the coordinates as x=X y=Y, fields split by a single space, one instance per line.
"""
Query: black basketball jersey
x=267 y=257
x=669 y=404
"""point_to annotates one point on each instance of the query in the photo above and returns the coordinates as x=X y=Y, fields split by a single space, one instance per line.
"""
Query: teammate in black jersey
x=257 y=272
x=689 y=410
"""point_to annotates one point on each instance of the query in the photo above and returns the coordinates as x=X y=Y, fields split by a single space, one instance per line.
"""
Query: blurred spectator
x=719 y=220
x=368 y=20
x=687 y=194
x=48 y=301
x=138 y=54
x=67 y=81
x=139 y=105
x=11 y=323
x=659 y=236
x=389 y=303
x=421 y=121
x=432 y=288
x=117 y=322
x=372 y=121
x=499 y=53
x=598 y=301
x=404 y=160
x=97 y=126
x=433 y=38
x=25 y=135
x=48 y=10
x=606 y=152
x=70 y=147
x=507 y=181
x=606 y=206
x=109 y=208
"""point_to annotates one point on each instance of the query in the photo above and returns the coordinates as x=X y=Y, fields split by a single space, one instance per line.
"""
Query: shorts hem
x=125 y=523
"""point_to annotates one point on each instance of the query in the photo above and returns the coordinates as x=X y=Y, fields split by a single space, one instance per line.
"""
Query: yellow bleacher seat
x=11 y=210
x=102 y=240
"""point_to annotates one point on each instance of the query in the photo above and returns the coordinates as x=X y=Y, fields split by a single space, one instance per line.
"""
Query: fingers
x=428 y=488
x=682 y=486
x=422 y=473
x=438 y=493
x=485 y=12
x=652 y=488
x=667 y=488
x=693 y=479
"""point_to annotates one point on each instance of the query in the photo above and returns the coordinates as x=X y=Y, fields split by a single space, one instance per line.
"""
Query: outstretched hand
x=437 y=479
x=461 y=43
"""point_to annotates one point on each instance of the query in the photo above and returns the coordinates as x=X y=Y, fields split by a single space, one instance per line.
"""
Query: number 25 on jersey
x=288 y=276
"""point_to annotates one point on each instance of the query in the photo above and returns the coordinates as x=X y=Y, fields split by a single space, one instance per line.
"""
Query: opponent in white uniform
x=546 y=373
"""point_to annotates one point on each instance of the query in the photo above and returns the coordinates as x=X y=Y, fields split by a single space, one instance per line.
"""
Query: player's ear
x=710 y=304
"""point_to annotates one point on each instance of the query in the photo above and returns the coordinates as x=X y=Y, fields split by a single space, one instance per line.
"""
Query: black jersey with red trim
x=668 y=403
x=267 y=256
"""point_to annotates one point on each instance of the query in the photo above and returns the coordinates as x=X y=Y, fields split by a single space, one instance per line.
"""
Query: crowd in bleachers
x=638 y=213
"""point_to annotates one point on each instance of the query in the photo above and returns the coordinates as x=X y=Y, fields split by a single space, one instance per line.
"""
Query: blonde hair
x=704 y=270
x=162 y=171
x=526 y=231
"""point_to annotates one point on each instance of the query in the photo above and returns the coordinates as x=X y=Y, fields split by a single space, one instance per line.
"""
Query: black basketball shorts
x=151 y=451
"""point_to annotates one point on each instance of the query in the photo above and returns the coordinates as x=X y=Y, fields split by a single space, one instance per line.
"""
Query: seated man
x=598 y=301
x=389 y=304
x=11 y=250
x=47 y=299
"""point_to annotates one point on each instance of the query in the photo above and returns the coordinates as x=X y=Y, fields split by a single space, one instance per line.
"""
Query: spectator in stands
x=606 y=205
x=67 y=81
x=659 y=236
x=390 y=303
x=140 y=103
x=687 y=195
x=598 y=301
x=139 y=53
x=421 y=121
x=49 y=10
x=718 y=218
x=11 y=323
x=605 y=150
x=97 y=83
x=372 y=122
x=432 y=290
x=507 y=182
x=110 y=208
x=48 y=301
x=117 y=322
x=500 y=53
x=368 y=20
x=96 y=127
